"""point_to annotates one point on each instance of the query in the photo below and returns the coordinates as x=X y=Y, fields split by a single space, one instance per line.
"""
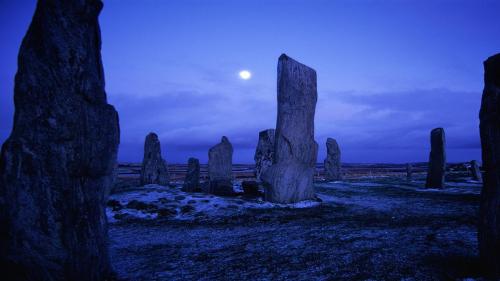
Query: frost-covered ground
x=381 y=228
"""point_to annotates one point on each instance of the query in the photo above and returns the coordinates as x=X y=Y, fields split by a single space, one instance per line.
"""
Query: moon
x=245 y=74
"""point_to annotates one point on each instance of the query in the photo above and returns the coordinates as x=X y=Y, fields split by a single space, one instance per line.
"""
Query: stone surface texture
x=56 y=167
x=290 y=178
x=264 y=152
x=332 y=161
x=154 y=169
x=489 y=224
x=220 y=165
x=437 y=160
x=192 y=180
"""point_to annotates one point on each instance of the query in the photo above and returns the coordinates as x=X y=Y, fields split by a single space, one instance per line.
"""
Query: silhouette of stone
x=220 y=165
x=192 y=181
x=56 y=167
x=264 y=153
x=437 y=160
x=250 y=188
x=409 y=172
x=475 y=171
x=290 y=178
x=154 y=169
x=332 y=161
x=489 y=212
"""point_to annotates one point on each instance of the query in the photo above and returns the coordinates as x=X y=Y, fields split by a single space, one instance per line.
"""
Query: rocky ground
x=368 y=228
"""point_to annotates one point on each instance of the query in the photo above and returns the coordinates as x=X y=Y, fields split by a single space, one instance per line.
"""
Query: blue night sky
x=388 y=72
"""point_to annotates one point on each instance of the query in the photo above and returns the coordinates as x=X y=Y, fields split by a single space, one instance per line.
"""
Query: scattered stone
x=139 y=205
x=250 y=188
x=154 y=169
x=409 y=172
x=475 y=171
x=56 y=167
x=437 y=160
x=179 y=197
x=264 y=153
x=191 y=202
x=192 y=181
x=489 y=116
x=220 y=162
x=332 y=161
x=290 y=178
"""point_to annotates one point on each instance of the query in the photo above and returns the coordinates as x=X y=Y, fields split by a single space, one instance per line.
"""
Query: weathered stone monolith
x=437 y=160
x=290 y=178
x=56 y=167
x=220 y=166
x=489 y=116
x=154 y=169
x=332 y=161
x=264 y=153
x=192 y=181
x=475 y=171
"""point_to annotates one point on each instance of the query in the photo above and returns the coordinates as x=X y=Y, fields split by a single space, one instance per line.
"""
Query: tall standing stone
x=56 y=167
x=332 y=161
x=290 y=178
x=489 y=116
x=192 y=181
x=264 y=153
x=154 y=169
x=409 y=172
x=475 y=171
x=220 y=169
x=437 y=160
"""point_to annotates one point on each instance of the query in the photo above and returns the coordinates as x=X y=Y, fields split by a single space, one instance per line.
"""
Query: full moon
x=245 y=74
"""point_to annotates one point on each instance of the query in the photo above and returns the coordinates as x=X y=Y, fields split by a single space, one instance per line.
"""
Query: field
x=374 y=225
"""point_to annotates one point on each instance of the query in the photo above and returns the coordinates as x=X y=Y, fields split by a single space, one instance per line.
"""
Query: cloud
x=190 y=122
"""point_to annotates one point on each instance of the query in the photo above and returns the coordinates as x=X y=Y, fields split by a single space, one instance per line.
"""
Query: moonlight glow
x=245 y=74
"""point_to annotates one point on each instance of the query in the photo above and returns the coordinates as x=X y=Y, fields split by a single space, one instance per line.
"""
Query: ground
x=364 y=228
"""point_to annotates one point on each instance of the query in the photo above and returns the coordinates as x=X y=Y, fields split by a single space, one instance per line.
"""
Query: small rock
x=138 y=205
x=250 y=188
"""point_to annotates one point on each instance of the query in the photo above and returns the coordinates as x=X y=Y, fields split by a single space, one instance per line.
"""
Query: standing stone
x=475 y=171
x=220 y=169
x=154 y=169
x=290 y=178
x=489 y=212
x=264 y=153
x=409 y=172
x=332 y=161
x=56 y=167
x=437 y=160
x=192 y=181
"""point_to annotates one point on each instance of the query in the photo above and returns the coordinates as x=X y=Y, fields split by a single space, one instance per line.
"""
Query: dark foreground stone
x=56 y=166
x=489 y=224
